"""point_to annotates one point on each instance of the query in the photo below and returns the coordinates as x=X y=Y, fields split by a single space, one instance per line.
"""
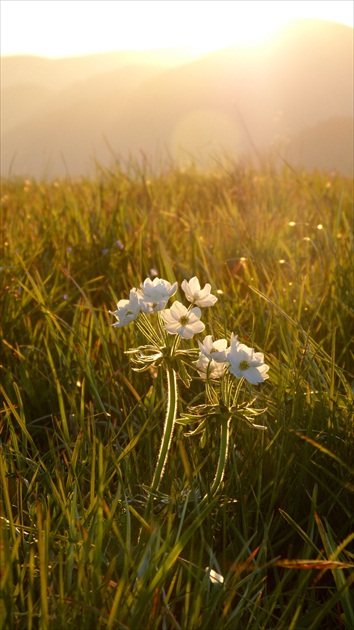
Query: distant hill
x=22 y=101
x=328 y=145
x=292 y=95
x=62 y=72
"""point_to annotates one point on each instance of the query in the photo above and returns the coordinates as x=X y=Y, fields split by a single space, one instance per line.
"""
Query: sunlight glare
x=62 y=29
x=246 y=32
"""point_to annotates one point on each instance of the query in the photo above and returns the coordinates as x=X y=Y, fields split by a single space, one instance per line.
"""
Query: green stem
x=223 y=455
x=168 y=427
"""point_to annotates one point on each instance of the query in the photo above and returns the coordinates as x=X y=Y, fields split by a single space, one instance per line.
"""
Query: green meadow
x=85 y=542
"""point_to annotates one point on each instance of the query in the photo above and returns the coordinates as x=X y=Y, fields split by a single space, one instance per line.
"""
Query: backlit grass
x=80 y=430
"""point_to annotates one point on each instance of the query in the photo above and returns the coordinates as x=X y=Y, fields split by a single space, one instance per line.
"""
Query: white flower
x=127 y=310
x=215 y=350
x=200 y=297
x=154 y=294
x=215 y=578
x=244 y=361
x=180 y=321
x=206 y=366
x=212 y=358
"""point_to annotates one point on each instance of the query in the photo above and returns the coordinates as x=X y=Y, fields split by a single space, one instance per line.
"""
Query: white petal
x=173 y=327
x=205 y=291
x=220 y=344
x=194 y=313
x=197 y=327
x=178 y=310
x=194 y=284
x=215 y=578
x=186 y=332
x=233 y=369
x=167 y=316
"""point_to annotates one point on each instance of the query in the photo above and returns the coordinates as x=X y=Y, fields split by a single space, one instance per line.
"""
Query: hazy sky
x=59 y=28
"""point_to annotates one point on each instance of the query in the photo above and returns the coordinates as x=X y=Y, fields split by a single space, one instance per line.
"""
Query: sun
x=254 y=22
x=100 y=26
x=245 y=31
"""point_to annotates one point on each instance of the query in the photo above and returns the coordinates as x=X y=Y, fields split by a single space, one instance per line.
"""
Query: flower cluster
x=153 y=296
x=150 y=298
x=215 y=357
x=216 y=360
x=239 y=359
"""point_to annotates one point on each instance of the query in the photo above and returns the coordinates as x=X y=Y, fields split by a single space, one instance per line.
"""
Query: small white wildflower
x=154 y=294
x=196 y=295
x=245 y=362
x=127 y=310
x=215 y=578
x=180 y=321
x=215 y=350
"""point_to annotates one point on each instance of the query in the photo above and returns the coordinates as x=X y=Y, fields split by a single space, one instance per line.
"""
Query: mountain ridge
x=240 y=100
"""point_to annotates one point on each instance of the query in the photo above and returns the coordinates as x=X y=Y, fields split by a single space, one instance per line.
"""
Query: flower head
x=215 y=578
x=212 y=357
x=180 y=321
x=127 y=310
x=209 y=367
x=215 y=350
x=196 y=295
x=154 y=294
x=245 y=362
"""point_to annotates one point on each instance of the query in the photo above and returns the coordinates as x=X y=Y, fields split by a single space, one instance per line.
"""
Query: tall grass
x=80 y=430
